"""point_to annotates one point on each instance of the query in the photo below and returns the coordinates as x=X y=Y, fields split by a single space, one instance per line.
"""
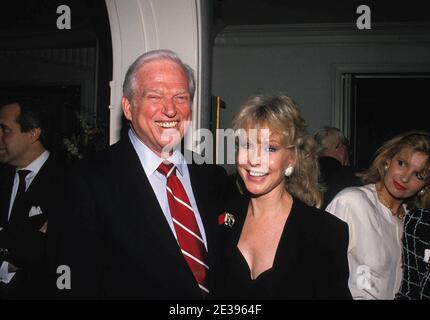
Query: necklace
x=400 y=213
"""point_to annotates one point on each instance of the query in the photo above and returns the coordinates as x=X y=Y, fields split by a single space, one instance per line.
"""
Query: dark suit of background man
x=28 y=182
x=120 y=236
x=336 y=172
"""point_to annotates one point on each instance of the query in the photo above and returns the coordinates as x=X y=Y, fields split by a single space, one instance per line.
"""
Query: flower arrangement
x=88 y=139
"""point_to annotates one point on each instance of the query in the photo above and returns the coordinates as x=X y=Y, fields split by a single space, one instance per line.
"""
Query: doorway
x=384 y=105
x=68 y=71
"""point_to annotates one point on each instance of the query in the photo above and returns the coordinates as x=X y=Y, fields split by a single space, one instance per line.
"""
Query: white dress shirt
x=150 y=162
x=375 y=243
x=34 y=169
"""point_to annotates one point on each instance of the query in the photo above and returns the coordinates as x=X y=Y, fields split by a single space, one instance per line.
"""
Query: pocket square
x=34 y=211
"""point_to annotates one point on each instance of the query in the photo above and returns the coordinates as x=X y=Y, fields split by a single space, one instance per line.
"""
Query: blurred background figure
x=333 y=157
x=396 y=182
x=332 y=143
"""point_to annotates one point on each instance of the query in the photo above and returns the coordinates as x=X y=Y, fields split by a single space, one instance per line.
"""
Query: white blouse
x=375 y=243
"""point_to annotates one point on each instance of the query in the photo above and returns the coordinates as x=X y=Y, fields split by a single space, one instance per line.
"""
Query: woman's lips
x=398 y=186
x=256 y=176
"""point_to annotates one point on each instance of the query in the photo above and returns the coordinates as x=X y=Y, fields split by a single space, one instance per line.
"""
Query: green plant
x=89 y=138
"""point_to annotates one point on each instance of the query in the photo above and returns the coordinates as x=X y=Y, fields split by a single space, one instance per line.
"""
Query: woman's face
x=261 y=161
x=405 y=175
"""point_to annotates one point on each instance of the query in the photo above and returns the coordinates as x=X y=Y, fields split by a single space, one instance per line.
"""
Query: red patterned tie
x=187 y=231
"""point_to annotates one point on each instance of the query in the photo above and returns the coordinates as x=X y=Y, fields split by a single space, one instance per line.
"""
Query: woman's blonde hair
x=281 y=115
x=415 y=140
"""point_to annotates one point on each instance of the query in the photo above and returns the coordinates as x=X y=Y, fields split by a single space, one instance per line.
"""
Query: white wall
x=138 y=26
x=304 y=61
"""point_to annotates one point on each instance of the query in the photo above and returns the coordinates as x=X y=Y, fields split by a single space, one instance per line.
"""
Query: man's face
x=336 y=149
x=161 y=108
x=14 y=144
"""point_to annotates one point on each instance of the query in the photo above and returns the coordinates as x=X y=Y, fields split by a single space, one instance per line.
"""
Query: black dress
x=310 y=261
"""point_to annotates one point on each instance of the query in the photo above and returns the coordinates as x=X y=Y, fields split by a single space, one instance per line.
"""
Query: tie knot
x=23 y=173
x=166 y=169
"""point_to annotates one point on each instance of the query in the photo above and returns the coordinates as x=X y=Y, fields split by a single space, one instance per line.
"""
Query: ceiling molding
x=327 y=33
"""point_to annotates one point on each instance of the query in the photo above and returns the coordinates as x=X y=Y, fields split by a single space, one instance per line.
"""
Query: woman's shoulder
x=359 y=193
x=321 y=229
x=353 y=197
x=419 y=213
x=417 y=221
x=318 y=218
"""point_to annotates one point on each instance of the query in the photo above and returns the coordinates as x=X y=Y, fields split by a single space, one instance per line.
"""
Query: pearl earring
x=289 y=171
x=421 y=193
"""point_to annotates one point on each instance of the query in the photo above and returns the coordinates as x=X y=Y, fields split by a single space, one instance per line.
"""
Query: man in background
x=336 y=172
x=29 y=181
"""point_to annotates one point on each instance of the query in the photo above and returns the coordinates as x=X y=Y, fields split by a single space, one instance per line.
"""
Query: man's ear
x=35 y=134
x=126 y=108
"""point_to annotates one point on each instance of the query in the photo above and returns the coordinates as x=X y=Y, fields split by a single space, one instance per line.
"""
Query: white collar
x=150 y=161
x=37 y=164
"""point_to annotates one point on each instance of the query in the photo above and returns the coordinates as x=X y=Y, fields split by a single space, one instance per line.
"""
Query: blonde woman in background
x=396 y=182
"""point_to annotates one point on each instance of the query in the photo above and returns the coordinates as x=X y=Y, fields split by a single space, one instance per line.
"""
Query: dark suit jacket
x=335 y=178
x=26 y=245
x=116 y=239
x=310 y=263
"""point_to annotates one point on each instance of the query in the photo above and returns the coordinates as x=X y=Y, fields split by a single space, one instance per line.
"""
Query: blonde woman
x=396 y=182
x=280 y=245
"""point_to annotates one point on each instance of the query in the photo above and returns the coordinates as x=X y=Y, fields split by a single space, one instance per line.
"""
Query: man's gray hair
x=322 y=135
x=130 y=86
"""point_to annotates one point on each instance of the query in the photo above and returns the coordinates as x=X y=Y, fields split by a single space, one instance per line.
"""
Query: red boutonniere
x=226 y=219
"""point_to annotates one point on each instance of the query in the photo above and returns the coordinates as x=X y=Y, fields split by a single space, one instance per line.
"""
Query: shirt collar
x=37 y=164
x=150 y=161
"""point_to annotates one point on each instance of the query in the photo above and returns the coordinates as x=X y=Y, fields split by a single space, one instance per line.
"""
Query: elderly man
x=336 y=173
x=140 y=221
x=29 y=181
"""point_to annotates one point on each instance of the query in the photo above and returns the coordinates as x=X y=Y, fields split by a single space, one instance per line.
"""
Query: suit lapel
x=288 y=259
x=41 y=179
x=35 y=192
x=6 y=184
x=199 y=185
x=207 y=195
x=147 y=208
x=146 y=211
